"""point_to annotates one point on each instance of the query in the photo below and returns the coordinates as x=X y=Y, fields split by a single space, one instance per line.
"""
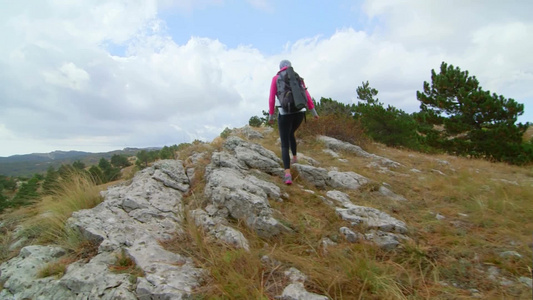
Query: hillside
x=217 y=223
x=29 y=164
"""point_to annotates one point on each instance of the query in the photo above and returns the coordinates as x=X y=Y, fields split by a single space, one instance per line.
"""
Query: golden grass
x=233 y=273
x=125 y=264
x=44 y=222
x=73 y=194
x=56 y=269
x=486 y=208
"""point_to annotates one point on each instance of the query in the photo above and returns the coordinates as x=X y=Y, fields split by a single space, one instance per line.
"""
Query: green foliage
x=96 y=174
x=50 y=180
x=8 y=183
x=142 y=159
x=65 y=170
x=27 y=193
x=110 y=173
x=225 y=133
x=328 y=106
x=458 y=116
x=255 y=121
x=79 y=165
x=166 y=153
x=265 y=118
x=120 y=161
x=145 y=157
x=3 y=200
x=366 y=93
x=390 y=125
x=153 y=155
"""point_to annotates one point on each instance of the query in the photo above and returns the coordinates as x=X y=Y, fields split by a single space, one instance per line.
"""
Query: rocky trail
x=240 y=182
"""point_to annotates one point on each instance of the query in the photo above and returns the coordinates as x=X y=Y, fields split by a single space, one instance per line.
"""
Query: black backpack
x=291 y=92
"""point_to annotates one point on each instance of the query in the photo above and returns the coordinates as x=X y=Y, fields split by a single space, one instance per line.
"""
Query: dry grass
x=44 y=223
x=233 y=273
x=76 y=193
x=486 y=207
x=528 y=135
x=125 y=264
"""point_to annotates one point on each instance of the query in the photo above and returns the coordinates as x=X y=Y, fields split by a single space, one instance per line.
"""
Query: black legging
x=287 y=126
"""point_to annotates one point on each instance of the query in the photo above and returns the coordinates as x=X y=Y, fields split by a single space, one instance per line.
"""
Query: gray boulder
x=382 y=229
x=336 y=145
x=254 y=156
x=346 y=180
x=316 y=176
x=234 y=195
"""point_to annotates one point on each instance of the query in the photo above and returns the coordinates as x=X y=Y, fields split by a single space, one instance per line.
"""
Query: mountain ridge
x=29 y=164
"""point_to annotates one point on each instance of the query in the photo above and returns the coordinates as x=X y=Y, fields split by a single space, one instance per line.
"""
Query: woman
x=288 y=123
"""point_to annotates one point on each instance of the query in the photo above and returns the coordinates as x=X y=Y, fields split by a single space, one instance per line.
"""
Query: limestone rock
x=337 y=145
x=346 y=180
x=218 y=229
x=254 y=156
x=316 y=176
x=296 y=291
x=234 y=195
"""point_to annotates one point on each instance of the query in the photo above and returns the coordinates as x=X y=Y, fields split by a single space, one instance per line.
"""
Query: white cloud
x=68 y=76
x=61 y=88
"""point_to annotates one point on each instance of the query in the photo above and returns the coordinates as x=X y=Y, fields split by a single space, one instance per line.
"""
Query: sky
x=97 y=76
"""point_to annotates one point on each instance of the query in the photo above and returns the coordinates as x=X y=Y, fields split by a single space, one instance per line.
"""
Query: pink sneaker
x=294 y=159
x=288 y=179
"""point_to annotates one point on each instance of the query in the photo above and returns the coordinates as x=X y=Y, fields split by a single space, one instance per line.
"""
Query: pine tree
x=457 y=115
x=389 y=125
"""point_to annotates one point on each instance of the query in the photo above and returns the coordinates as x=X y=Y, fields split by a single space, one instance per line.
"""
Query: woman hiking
x=288 y=122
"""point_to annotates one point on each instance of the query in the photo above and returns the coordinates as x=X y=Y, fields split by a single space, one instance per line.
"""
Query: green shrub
x=225 y=133
x=255 y=121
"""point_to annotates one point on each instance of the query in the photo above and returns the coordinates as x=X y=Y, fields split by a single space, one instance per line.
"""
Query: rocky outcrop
x=336 y=145
x=135 y=217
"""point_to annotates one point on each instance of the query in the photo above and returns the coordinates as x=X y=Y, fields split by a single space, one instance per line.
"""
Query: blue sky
x=99 y=76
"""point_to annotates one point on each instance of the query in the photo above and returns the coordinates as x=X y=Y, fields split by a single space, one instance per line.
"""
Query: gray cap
x=284 y=63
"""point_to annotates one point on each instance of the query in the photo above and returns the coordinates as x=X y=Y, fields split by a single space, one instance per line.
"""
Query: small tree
x=328 y=106
x=457 y=115
x=79 y=165
x=142 y=158
x=264 y=118
x=27 y=193
x=166 y=153
x=225 y=133
x=110 y=173
x=8 y=183
x=366 y=93
x=255 y=121
x=390 y=125
x=120 y=161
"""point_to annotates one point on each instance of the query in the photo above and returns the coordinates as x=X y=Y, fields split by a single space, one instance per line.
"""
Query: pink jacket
x=274 y=90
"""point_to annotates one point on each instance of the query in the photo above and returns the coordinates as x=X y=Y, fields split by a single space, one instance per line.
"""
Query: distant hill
x=29 y=164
